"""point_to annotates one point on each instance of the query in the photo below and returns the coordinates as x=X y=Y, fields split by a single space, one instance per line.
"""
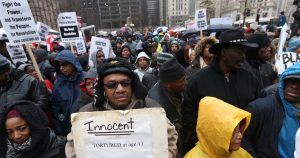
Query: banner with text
x=16 y=53
x=126 y=133
x=285 y=60
x=200 y=19
x=67 y=23
x=18 y=22
x=43 y=31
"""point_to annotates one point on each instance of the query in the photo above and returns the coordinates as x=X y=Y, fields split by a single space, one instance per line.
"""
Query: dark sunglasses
x=115 y=84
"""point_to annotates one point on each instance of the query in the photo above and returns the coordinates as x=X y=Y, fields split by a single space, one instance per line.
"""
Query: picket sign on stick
x=72 y=49
x=201 y=34
x=35 y=65
x=200 y=21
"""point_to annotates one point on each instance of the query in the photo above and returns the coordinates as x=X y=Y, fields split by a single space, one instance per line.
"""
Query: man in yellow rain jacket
x=220 y=128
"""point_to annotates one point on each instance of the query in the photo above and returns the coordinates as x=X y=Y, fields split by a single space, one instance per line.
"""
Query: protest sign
x=285 y=31
x=132 y=133
x=97 y=44
x=16 y=53
x=285 y=60
x=67 y=23
x=43 y=31
x=17 y=20
x=200 y=19
x=221 y=21
x=80 y=46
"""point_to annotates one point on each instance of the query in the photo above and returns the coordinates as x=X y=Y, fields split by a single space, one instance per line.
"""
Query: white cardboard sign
x=98 y=43
x=80 y=46
x=221 y=21
x=285 y=60
x=68 y=28
x=18 y=22
x=200 y=19
x=16 y=53
x=132 y=133
x=43 y=31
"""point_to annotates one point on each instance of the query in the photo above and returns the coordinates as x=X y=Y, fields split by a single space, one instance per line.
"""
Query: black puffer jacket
x=263 y=71
x=22 y=86
x=46 y=68
x=240 y=89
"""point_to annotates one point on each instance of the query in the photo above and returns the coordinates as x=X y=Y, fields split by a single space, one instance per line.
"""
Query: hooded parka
x=215 y=132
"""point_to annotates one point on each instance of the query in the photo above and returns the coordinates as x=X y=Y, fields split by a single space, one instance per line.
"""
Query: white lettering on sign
x=67 y=23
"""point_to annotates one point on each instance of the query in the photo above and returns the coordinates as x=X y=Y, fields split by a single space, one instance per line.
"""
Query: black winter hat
x=4 y=64
x=114 y=65
x=231 y=37
x=117 y=65
x=260 y=38
x=171 y=70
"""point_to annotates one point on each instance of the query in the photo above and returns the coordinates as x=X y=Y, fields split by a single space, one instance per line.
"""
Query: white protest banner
x=17 y=20
x=16 y=53
x=43 y=31
x=97 y=44
x=67 y=23
x=132 y=133
x=285 y=30
x=200 y=19
x=80 y=46
x=221 y=21
x=285 y=60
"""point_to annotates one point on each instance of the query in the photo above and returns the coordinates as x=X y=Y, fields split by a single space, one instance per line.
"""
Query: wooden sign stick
x=35 y=65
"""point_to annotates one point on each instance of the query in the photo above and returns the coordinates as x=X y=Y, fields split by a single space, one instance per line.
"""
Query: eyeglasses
x=115 y=84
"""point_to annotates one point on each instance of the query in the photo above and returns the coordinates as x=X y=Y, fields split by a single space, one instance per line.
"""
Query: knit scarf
x=15 y=150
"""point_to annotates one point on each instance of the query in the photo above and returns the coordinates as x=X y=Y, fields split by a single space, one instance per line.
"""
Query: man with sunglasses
x=119 y=88
x=275 y=119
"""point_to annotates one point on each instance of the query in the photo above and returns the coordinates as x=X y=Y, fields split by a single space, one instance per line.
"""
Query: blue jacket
x=266 y=136
x=65 y=92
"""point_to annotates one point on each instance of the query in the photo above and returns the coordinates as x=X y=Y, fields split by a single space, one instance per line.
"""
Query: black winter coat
x=239 y=90
x=25 y=87
x=158 y=94
x=261 y=137
x=150 y=79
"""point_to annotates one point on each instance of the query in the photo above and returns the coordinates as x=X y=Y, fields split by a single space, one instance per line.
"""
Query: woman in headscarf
x=220 y=128
x=24 y=133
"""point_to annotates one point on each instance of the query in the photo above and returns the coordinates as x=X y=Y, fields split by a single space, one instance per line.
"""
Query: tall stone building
x=178 y=12
x=265 y=8
x=45 y=11
x=111 y=14
x=163 y=12
x=153 y=12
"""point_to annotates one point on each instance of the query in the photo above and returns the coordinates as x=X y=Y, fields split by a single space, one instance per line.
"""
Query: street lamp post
x=244 y=17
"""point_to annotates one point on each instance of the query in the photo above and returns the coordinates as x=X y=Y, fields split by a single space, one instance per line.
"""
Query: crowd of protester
x=222 y=94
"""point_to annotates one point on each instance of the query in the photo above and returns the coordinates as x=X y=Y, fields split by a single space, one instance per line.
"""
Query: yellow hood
x=215 y=125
